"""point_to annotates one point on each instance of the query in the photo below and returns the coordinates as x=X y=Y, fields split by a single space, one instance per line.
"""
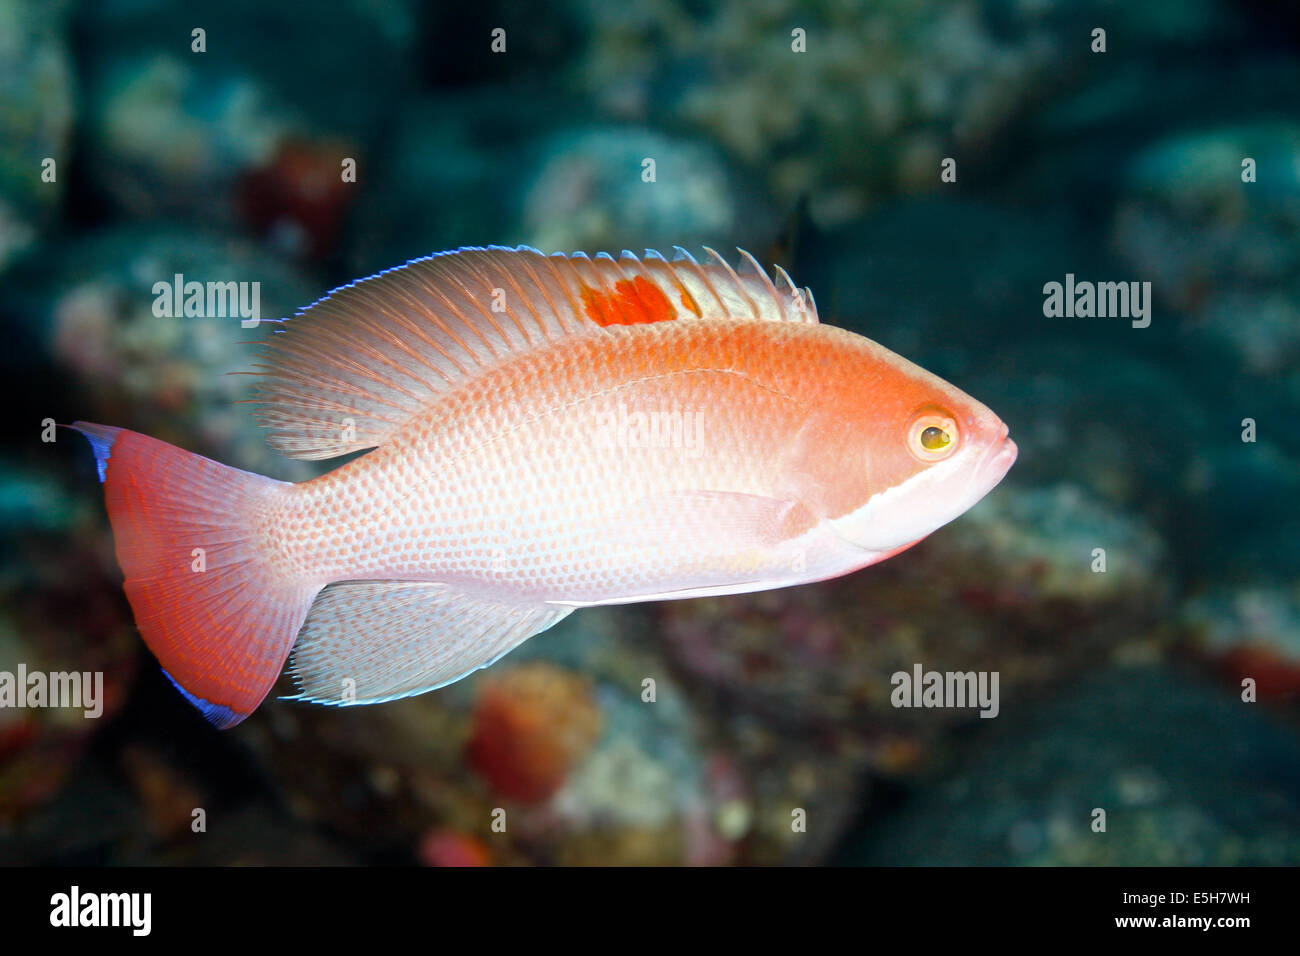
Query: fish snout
x=995 y=462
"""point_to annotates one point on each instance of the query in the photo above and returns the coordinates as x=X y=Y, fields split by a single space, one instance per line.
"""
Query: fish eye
x=932 y=435
x=934 y=438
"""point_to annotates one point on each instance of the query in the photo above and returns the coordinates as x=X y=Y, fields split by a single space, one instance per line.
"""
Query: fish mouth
x=995 y=464
x=946 y=495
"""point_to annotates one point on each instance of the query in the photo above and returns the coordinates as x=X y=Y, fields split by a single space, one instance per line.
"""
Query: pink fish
x=548 y=433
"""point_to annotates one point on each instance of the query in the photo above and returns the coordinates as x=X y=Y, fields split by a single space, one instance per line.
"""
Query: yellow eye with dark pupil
x=932 y=434
x=934 y=439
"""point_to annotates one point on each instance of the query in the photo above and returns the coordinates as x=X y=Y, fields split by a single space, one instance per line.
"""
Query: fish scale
x=501 y=474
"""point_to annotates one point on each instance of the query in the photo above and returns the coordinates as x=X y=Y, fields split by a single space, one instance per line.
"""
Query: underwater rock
x=784 y=796
x=175 y=144
x=171 y=141
x=417 y=765
x=665 y=780
x=1251 y=631
x=881 y=95
x=37 y=90
x=166 y=796
x=414 y=207
x=1089 y=135
x=1033 y=554
x=1149 y=435
x=234 y=132
x=298 y=199
x=1243 y=495
x=503 y=179
x=94 y=308
x=1186 y=775
x=531 y=725
x=588 y=190
x=877 y=277
x=61 y=612
x=255 y=835
x=1215 y=247
x=1009 y=588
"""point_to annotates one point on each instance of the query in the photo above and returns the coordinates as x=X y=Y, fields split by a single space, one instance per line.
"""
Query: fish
x=542 y=433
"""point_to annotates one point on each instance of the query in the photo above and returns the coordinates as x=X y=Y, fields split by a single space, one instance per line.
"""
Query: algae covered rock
x=106 y=311
x=1185 y=774
x=37 y=112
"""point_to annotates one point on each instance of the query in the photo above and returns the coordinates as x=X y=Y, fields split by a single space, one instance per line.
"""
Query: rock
x=37 y=88
x=92 y=307
x=173 y=141
x=532 y=723
x=444 y=847
x=1215 y=247
x=1250 y=631
x=169 y=799
x=232 y=135
x=63 y=612
x=666 y=780
x=880 y=96
x=588 y=191
x=503 y=180
x=1186 y=776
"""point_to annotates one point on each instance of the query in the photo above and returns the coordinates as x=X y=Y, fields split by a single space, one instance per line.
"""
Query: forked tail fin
x=218 y=615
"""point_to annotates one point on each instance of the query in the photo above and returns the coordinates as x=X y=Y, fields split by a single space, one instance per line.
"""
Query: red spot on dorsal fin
x=635 y=301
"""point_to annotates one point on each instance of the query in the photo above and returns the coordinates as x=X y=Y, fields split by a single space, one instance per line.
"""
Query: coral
x=298 y=198
x=532 y=724
x=443 y=847
x=1250 y=631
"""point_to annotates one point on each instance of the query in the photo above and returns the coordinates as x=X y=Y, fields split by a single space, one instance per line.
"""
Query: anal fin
x=365 y=642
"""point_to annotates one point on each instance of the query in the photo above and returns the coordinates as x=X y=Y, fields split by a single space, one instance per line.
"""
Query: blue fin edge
x=218 y=715
x=102 y=446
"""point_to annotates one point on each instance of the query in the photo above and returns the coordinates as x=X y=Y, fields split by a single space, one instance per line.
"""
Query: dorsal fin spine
x=684 y=256
x=761 y=274
x=537 y=319
x=443 y=326
x=577 y=309
x=546 y=294
x=684 y=294
x=740 y=286
x=414 y=328
x=477 y=303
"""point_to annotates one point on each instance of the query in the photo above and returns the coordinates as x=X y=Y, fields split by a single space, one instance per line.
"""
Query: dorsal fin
x=352 y=368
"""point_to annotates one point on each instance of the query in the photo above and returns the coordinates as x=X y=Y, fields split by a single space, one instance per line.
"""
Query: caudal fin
x=214 y=610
